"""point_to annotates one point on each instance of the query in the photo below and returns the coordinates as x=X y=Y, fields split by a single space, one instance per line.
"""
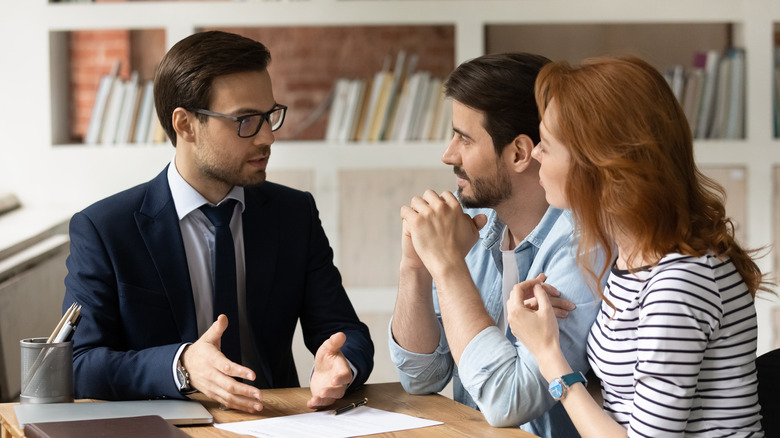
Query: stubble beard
x=217 y=168
x=487 y=192
x=233 y=177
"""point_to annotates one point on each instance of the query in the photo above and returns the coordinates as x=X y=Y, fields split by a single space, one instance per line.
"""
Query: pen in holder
x=47 y=371
x=47 y=363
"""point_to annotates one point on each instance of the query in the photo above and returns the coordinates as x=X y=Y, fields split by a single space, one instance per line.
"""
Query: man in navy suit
x=141 y=261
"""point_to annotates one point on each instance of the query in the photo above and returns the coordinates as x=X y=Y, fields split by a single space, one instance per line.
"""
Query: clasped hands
x=436 y=232
x=214 y=375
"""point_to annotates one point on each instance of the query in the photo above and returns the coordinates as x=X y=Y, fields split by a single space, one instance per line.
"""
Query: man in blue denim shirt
x=508 y=235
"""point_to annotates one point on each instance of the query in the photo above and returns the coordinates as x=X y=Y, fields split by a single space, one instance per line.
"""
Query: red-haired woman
x=675 y=342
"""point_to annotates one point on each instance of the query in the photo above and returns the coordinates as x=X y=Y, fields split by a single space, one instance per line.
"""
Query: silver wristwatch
x=183 y=377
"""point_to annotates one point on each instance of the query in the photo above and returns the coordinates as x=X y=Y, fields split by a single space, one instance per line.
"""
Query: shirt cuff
x=176 y=362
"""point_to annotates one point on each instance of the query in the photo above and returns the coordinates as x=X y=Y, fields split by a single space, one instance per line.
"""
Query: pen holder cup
x=47 y=371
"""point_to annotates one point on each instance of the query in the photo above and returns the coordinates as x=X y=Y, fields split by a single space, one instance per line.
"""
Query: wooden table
x=459 y=420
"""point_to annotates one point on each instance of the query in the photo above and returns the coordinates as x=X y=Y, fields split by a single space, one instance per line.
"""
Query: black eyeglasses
x=249 y=125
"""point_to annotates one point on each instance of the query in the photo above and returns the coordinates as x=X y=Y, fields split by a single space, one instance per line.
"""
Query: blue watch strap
x=571 y=379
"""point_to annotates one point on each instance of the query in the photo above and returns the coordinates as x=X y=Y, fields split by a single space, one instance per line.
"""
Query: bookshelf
x=45 y=170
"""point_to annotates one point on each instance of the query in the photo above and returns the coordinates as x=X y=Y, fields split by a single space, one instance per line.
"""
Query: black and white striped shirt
x=677 y=358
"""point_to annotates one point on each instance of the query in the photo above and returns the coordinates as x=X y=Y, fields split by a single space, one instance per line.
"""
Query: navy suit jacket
x=128 y=269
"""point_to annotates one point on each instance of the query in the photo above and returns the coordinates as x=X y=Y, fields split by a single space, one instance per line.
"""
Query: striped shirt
x=677 y=357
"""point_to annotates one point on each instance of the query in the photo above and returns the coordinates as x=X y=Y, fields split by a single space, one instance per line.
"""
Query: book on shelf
x=675 y=76
x=361 y=112
x=113 y=110
x=399 y=105
x=124 y=112
x=128 y=109
x=721 y=99
x=694 y=88
x=380 y=108
x=435 y=95
x=776 y=83
x=366 y=123
x=145 y=114
x=713 y=94
x=400 y=72
x=355 y=94
x=735 y=123
x=706 y=111
x=409 y=106
x=105 y=87
x=337 y=108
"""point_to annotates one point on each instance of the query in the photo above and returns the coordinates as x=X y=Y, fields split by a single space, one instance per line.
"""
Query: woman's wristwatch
x=560 y=385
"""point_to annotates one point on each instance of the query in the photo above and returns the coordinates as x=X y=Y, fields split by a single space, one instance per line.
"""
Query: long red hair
x=632 y=166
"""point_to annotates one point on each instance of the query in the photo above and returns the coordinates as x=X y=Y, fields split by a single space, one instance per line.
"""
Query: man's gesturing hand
x=213 y=374
x=332 y=374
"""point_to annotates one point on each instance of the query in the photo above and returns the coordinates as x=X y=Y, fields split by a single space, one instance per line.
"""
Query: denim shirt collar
x=491 y=232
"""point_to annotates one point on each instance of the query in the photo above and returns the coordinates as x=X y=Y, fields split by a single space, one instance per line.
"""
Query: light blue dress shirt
x=497 y=374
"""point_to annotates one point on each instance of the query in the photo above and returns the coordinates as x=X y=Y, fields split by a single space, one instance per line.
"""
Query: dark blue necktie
x=224 y=296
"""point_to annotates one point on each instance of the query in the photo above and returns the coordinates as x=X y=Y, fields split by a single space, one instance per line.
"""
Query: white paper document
x=323 y=424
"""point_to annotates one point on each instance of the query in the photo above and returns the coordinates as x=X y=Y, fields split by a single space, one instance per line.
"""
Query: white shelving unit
x=76 y=175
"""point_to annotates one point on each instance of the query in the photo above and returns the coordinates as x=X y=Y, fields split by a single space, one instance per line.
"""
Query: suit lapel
x=159 y=226
x=261 y=248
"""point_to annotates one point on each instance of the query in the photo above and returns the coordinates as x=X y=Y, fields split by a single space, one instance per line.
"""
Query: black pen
x=350 y=406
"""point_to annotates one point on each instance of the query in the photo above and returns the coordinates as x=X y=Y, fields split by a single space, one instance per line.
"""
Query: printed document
x=324 y=424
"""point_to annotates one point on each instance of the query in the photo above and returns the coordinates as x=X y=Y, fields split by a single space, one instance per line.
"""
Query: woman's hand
x=532 y=317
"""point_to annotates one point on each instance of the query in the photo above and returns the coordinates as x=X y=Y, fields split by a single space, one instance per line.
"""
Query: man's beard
x=234 y=178
x=488 y=192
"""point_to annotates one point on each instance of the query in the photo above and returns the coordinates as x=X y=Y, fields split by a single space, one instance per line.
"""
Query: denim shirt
x=497 y=374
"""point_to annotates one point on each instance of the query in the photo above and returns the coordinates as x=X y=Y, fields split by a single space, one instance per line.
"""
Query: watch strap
x=571 y=379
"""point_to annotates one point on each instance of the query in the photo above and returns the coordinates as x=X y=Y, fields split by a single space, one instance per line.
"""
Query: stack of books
x=124 y=112
x=712 y=93
x=401 y=104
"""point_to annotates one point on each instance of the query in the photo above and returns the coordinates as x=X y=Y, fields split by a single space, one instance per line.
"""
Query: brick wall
x=92 y=55
x=306 y=63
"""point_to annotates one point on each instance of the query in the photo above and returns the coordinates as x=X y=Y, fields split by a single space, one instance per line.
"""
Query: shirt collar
x=494 y=229
x=186 y=198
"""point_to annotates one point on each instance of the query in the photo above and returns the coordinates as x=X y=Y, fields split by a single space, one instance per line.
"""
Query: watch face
x=556 y=390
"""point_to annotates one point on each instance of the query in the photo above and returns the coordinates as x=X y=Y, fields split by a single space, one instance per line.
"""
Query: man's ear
x=518 y=153
x=184 y=124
